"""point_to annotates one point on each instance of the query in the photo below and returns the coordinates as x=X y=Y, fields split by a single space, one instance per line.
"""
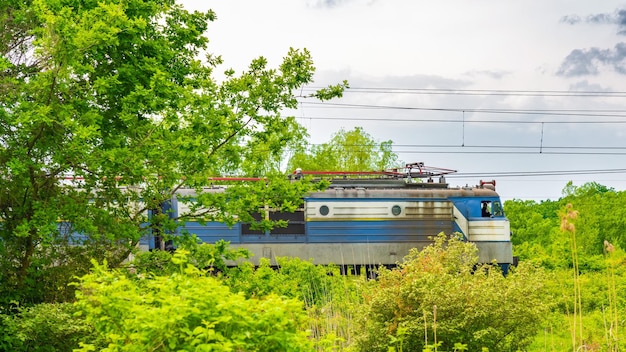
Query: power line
x=522 y=179
x=499 y=146
x=508 y=152
x=536 y=173
x=504 y=149
x=509 y=149
x=548 y=112
x=537 y=152
x=478 y=146
x=473 y=149
x=480 y=92
x=470 y=121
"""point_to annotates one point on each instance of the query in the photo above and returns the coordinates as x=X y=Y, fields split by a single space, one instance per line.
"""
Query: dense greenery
x=178 y=306
x=353 y=150
x=46 y=327
x=537 y=235
x=115 y=96
x=437 y=299
x=580 y=238
x=188 y=311
x=440 y=297
x=107 y=109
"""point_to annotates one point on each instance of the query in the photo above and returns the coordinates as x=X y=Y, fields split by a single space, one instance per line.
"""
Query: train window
x=295 y=223
x=246 y=229
x=396 y=210
x=497 y=209
x=324 y=210
x=485 y=208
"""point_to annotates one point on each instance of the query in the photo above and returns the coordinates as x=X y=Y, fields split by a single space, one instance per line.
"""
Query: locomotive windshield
x=497 y=209
x=491 y=209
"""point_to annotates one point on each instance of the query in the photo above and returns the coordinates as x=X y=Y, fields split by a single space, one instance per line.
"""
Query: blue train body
x=367 y=222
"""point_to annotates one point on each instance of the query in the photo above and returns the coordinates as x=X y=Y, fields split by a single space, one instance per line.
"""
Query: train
x=368 y=219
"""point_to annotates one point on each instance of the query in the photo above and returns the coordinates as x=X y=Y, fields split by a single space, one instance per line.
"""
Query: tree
x=535 y=232
x=535 y=226
x=353 y=150
x=587 y=189
x=114 y=95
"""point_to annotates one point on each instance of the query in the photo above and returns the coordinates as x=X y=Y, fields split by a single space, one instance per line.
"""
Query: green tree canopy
x=115 y=96
x=536 y=226
x=353 y=150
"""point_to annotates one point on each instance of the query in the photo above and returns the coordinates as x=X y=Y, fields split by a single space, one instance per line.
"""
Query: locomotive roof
x=361 y=192
x=381 y=192
x=414 y=181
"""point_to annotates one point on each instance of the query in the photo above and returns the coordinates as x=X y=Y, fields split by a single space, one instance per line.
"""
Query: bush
x=188 y=310
x=330 y=299
x=440 y=296
x=42 y=328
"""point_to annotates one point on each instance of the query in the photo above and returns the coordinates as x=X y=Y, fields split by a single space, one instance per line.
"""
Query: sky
x=530 y=93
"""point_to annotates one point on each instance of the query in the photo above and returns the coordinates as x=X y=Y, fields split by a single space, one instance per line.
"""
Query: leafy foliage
x=397 y=311
x=439 y=296
x=212 y=257
x=586 y=282
x=602 y=302
x=185 y=311
x=536 y=233
x=42 y=328
x=330 y=299
x=115 y=96
x=353 y=150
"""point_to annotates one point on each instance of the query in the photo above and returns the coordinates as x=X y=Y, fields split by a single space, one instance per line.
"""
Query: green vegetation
x=187 y=311
x=353 y=150
x=580 y=239
x=106 y=109
x=440 y=297
x=299 y=307
x=45 y=327
x=115 y=96
x=538 y=236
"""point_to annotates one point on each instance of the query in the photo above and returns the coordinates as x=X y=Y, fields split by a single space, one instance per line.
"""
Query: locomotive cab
x=480 y=218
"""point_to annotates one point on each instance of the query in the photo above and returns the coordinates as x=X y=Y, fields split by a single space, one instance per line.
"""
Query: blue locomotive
x=372 y=219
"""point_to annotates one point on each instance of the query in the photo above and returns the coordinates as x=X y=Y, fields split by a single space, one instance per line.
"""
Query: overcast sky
x=494 y=89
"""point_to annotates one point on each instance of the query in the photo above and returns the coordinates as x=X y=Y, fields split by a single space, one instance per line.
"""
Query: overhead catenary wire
x=507 y=152
x=537 y=173
x=549 y=116
x=480 y=146
x=546 y=112
x=468 y=116
x=343 y=118
x=490 y=149
x=478 y=92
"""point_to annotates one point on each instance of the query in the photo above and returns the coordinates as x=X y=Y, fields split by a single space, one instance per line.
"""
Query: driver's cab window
x=485 y=209
x=489 y=209
x=497 y=209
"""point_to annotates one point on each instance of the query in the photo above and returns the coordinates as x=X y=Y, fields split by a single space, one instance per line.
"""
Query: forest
x=107 y=108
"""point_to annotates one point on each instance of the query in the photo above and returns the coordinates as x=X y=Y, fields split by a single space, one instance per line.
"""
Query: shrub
x=42 y=328
x=188 y=310
x=330 y=298
x=440 y=296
